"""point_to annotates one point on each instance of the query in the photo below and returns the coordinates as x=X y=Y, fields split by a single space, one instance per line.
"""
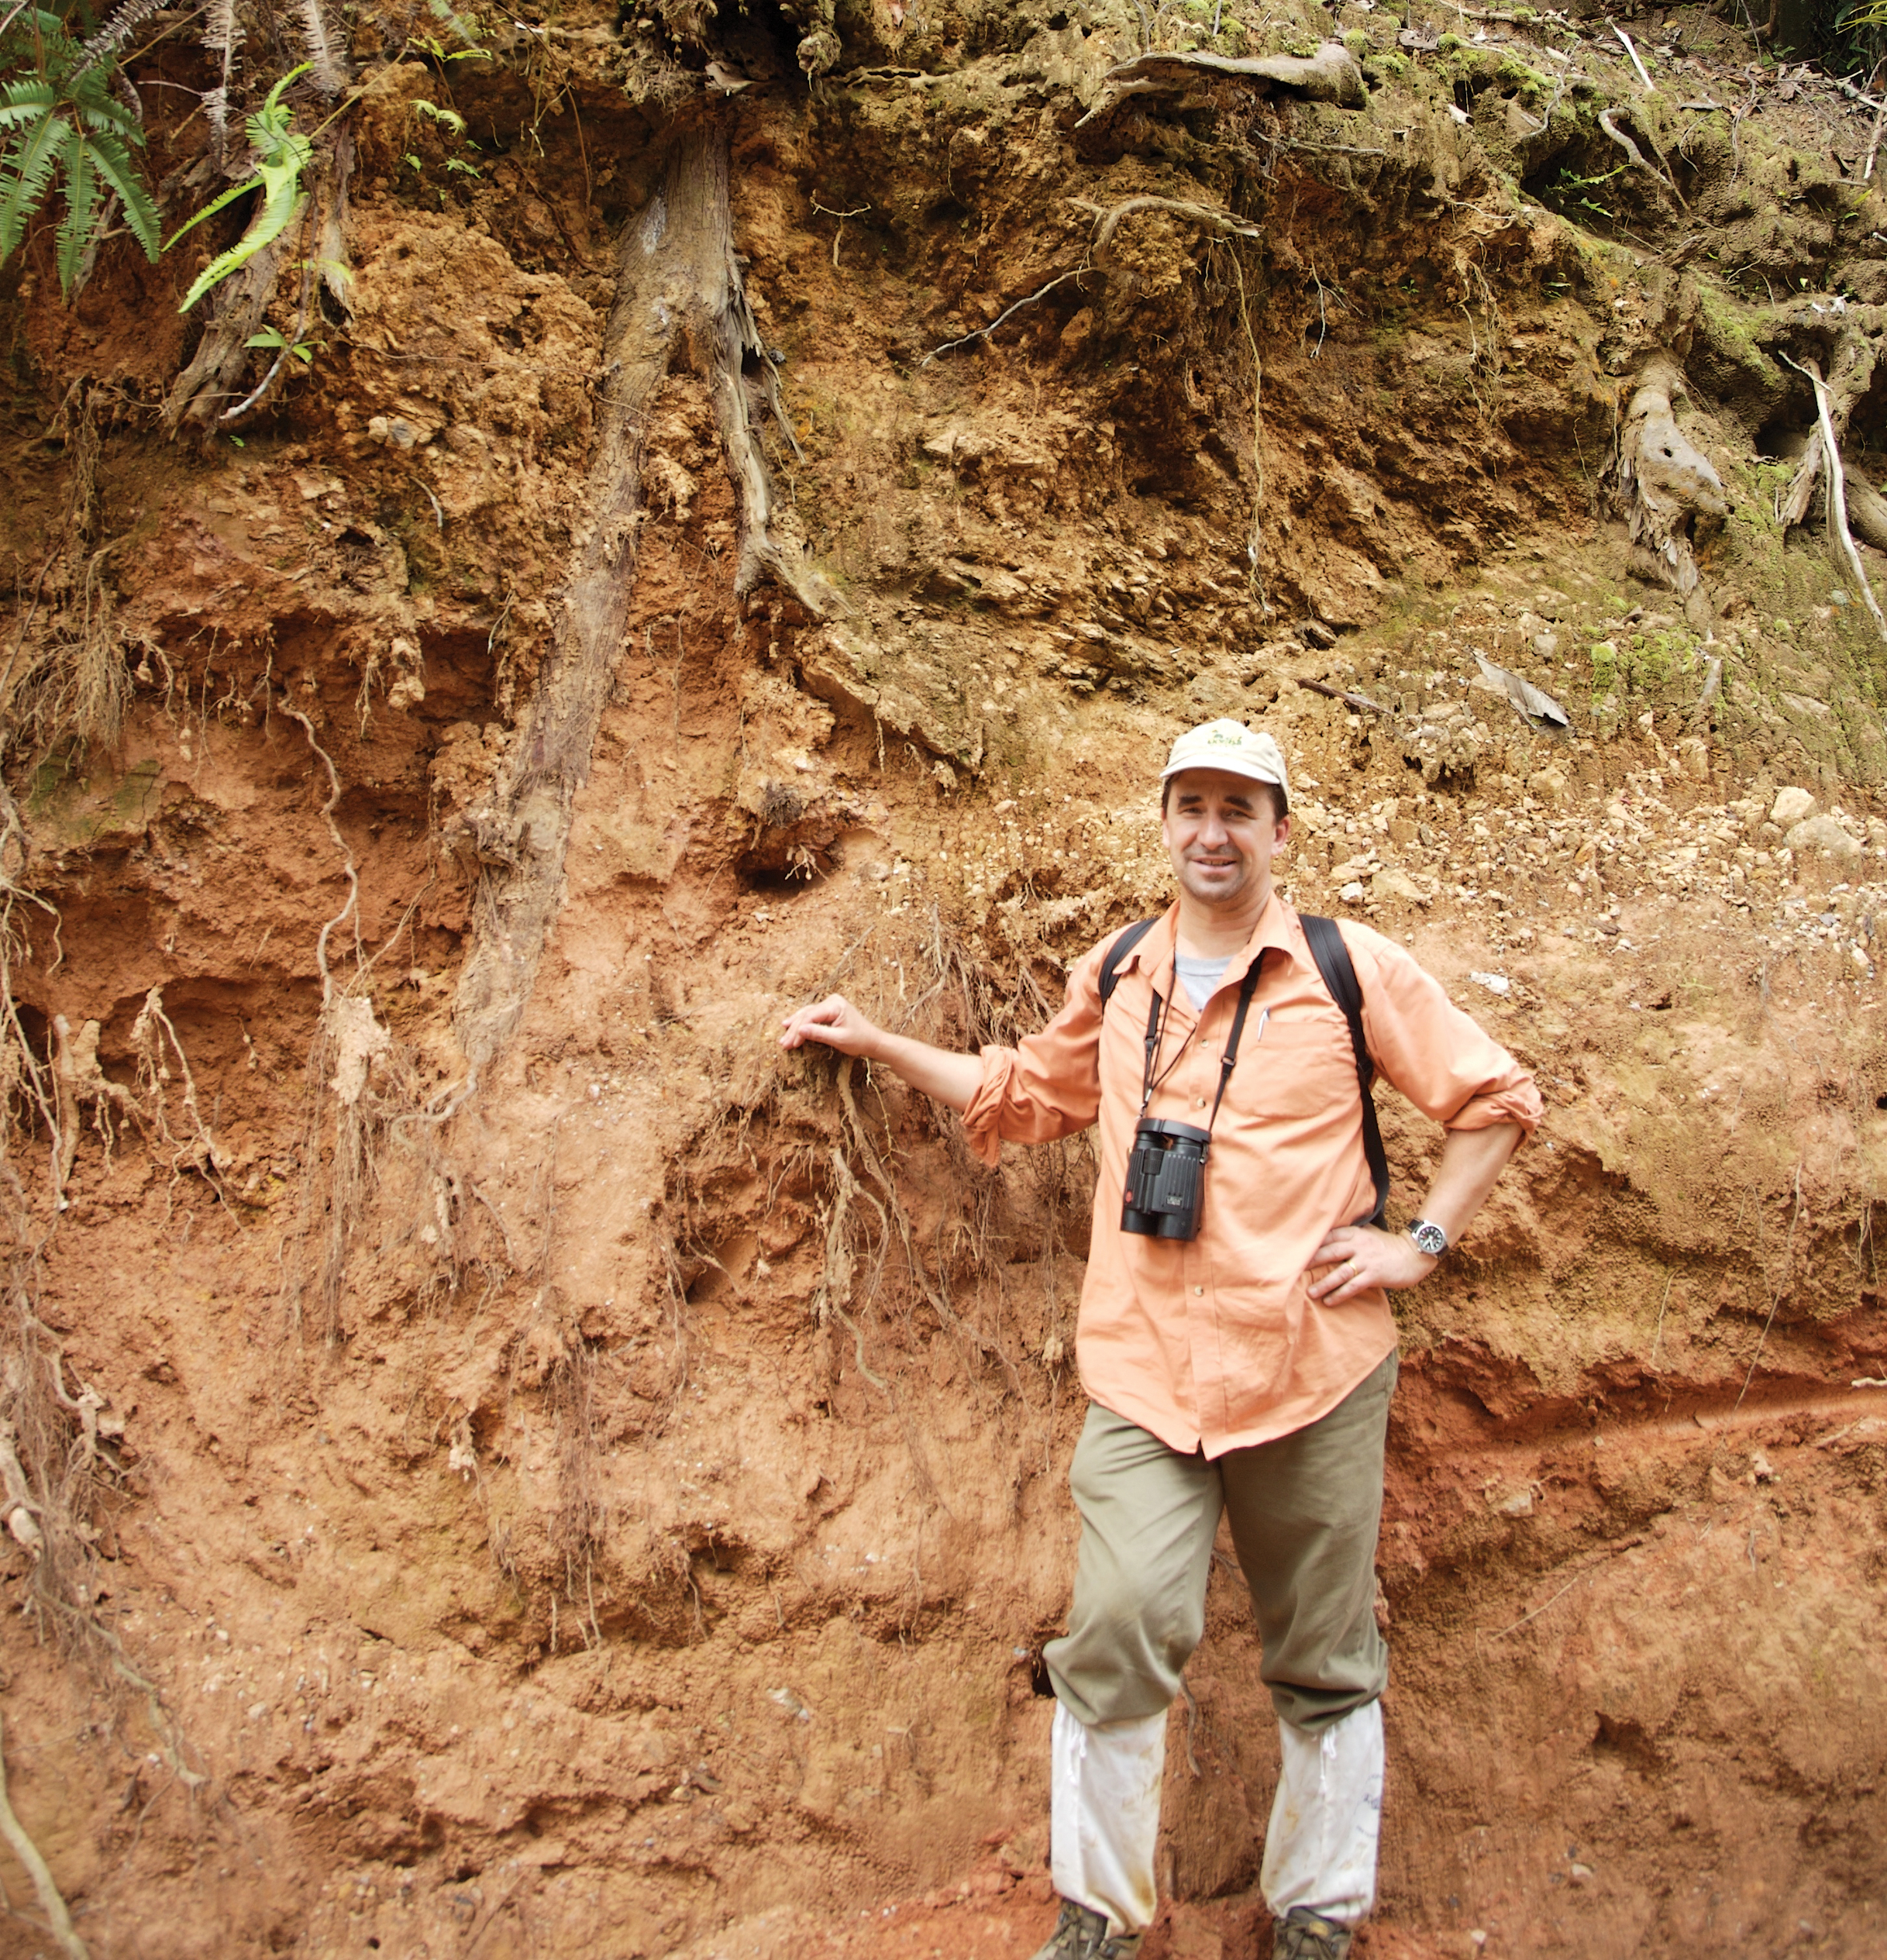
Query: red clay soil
x=609 y=1501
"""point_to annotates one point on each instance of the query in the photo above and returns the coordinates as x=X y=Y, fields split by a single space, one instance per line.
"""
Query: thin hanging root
x=27 y=1853
x=1837 y=489
x=1254 y=539
x=982 y=333
x=952 y=1326
x=835 y=1283
x=340 y=844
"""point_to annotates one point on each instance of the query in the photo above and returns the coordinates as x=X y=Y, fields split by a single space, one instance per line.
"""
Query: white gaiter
x=1320 y=1851
x=1104 y=1782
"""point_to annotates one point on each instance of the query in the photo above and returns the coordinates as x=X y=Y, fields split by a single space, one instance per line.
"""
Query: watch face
x=1430 y=1239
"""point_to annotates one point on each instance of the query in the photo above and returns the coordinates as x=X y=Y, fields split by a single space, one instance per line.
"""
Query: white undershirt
x=1200 y=977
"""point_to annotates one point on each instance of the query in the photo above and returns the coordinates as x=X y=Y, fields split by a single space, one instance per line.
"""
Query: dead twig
x=1650 y=86
x=1610 y=1551
x=1538 y=1609
x=1657 y=1332
x=1359 y=702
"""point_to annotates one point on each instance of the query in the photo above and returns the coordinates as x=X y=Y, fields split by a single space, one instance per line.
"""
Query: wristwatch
x=1429 y=1238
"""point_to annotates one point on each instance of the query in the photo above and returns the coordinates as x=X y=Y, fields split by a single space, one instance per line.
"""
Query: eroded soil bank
x=535 y=1471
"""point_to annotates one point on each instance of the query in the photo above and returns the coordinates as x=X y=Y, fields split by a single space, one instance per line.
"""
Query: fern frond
x=103 y=113
x=33 y=25
x=215 y=204
x=327 y=62
x=82 y=196
x=283 y=155
x=268 y=225
x=125 y=21
x=26 y=101
x=113 y=162
x=467 y=30
x=270 y=124
x=25 y=174
x=222 y=34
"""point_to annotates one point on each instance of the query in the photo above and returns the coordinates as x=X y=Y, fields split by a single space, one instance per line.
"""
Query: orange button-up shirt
x=1215 y=1341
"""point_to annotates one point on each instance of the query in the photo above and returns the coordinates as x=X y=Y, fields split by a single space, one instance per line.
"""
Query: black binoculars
x=1166 y=1179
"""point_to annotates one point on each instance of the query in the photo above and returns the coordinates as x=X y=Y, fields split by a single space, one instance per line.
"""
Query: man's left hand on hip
x=1354 y=1258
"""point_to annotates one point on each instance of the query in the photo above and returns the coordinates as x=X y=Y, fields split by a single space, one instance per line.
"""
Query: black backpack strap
x=1333 y=961
x=1116 y=953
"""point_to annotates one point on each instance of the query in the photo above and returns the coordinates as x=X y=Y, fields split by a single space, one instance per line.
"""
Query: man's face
x=1220 y=834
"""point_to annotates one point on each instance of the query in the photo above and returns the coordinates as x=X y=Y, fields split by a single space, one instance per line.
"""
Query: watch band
x=1429 y=1238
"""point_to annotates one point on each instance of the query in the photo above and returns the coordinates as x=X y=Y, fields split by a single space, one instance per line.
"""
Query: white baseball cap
x=1230 y=745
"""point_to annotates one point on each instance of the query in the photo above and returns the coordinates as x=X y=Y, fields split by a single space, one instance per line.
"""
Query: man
x=1247 y=1368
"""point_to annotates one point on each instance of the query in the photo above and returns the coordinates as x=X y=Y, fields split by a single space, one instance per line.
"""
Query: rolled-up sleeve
x=1437 y=1056
x=1049 y=1084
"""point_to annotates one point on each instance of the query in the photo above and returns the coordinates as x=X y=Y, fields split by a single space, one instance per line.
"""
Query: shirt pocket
x=1300 y=1069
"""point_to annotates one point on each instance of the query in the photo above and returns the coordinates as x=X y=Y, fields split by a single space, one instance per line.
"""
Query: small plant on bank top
x=60 y=119
x=282 y=155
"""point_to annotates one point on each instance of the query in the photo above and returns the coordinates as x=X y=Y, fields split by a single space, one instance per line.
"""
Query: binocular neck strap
x=1247 y=987
x=1156 y=1015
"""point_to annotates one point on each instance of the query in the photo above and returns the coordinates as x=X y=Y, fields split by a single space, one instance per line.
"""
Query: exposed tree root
x=1638 y=157
x=27 y=1853
x=209 y=384
x=1849 y=375
x=206 y=393
x=982 y=333
x=1222 y=221
x=676 y=280
x=1838 y=499
x=1668 y=486
x=1331 y=75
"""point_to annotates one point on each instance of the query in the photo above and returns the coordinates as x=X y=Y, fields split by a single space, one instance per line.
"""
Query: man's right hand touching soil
x=952 y=1079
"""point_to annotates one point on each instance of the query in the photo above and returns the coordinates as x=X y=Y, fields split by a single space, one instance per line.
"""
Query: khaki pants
x=1304 y=1511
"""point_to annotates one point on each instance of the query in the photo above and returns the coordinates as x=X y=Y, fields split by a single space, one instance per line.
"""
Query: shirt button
x=1198 y=1290
x=1198 y=1102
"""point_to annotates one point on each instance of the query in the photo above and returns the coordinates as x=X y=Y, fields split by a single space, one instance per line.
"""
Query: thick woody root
x=678 y=280
x=1850 y=374
x=1837 y=497
x=1667 y=488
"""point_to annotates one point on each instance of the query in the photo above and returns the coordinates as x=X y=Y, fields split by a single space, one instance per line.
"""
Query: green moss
x=1603 y=655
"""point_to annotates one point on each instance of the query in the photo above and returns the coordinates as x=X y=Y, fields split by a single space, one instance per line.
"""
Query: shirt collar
x=1277 y=928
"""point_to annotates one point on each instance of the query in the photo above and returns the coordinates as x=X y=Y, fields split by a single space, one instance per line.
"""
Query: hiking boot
x=1123 y=1946
x=1079 y=1935
x=1302 y=1935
